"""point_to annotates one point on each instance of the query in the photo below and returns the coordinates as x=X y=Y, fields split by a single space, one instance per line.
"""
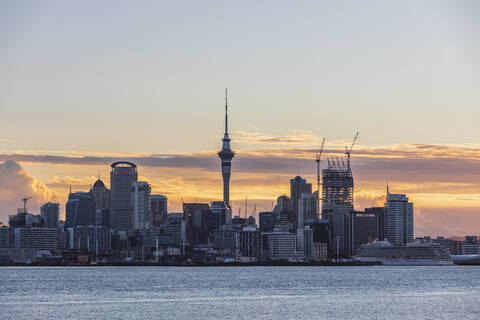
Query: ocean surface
x=378 y=292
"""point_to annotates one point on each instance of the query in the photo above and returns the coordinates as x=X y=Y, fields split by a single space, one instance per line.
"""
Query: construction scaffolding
x=337 y=186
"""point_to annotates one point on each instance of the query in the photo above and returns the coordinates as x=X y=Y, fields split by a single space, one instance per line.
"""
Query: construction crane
x=25 y=203
x=317 y=160
x=348 y=151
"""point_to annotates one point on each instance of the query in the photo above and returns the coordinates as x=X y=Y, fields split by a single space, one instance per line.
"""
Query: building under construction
x=337 y=202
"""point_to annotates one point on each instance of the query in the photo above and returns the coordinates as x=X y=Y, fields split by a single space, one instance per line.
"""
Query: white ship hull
x=406 y=262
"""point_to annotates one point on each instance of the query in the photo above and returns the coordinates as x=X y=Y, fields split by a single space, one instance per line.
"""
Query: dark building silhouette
x=364 y=228
x=122 y=176
x=80 y=210
x=196 y=216
x=158 y=205
x=49 y=212
x=267 y=221
x=379 y=212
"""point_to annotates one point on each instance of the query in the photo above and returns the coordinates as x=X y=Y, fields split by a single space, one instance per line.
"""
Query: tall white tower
x=398 y=219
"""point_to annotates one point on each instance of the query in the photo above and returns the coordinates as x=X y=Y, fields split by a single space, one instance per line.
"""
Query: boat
x=411 y=254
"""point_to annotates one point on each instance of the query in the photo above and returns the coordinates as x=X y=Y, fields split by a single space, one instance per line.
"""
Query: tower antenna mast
x=317 y=160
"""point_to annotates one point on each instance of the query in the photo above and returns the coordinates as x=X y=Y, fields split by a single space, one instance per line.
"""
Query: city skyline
x=88 y=93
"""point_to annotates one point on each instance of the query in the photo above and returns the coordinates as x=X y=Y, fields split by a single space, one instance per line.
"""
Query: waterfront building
x=337 y=202
x=158 y=207
x=226 y=239
x=80 y=209
x=49 y=212
x=140 y=205
x=305 y=242
x=280 y=245
x=122 y=177
x=219 y=214
x=226 y=155
x=398 y=219
x=5 y=237
x=319 y=251
x=95 y=239
x=250 y=243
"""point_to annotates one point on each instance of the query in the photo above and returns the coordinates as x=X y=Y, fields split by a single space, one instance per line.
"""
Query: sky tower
x=226 y=155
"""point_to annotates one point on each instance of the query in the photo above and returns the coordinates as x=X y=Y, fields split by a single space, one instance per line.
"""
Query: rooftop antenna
x=246 y=207
x=317 y=160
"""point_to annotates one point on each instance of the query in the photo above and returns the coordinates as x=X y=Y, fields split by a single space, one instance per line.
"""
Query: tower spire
x=226 y=111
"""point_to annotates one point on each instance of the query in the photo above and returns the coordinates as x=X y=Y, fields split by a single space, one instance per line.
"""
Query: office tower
x=49 y=212
x=122 y=177
x=337 y=202
x=398 y=219
x=379 y=212
x=307 y=209
x=101 y=195
x=218 y=214
x=226 y=155
x=80 y=209
x=267 y=221
x=364 y=228
x=305 y=242
x=225 y=239
x=196 y=217
x=35 y=238
x=297 y=187
x=158 y=207
x=140 y=205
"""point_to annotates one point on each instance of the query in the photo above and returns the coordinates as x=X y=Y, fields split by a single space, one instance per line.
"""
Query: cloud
x=15 y=184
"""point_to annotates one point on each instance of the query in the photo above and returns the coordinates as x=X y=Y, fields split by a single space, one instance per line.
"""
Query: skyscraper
x=49 y=212
x=140 y=205
x=80 y=209
x=337 y=202
x=122 y=176
x=398 y=219
x=226 y=155
x=101 y=195
x=298 y=185
x=158 y=206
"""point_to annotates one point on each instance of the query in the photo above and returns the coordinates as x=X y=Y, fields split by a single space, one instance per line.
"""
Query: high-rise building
x=398 y=219
x=226 y=155
x=298 y=186
x=122 y=176
x=307 y=209
x=80 y=209
x=196 y=217
x=364 y=228
x=337 y=202
x=158 y=206
x=101 y=195
x=267 y=221
x=140 y=205
x=379 y=212
x=49 y=212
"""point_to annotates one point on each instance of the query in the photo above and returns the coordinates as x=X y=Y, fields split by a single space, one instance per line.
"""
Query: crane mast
x=348 y=151
x=317 y=160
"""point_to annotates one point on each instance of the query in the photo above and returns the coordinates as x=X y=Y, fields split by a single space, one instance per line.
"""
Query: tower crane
x=348 y=151
x=25 y=203
x=317 y=160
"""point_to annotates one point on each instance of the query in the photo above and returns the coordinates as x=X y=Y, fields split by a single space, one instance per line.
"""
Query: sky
x=83 y=84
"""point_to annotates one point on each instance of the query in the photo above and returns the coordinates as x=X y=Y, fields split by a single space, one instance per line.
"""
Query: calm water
x=240 y=293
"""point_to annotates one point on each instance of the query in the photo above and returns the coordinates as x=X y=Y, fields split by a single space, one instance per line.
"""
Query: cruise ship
x=412 y=254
